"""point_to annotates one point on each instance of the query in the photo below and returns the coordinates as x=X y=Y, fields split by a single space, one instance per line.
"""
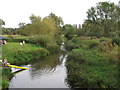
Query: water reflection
x=48 y=72
x=44 y=66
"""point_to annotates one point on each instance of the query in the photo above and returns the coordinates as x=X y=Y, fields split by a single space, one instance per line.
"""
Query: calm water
x=48 y=72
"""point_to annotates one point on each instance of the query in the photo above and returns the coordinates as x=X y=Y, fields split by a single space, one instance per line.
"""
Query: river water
x=48 y=72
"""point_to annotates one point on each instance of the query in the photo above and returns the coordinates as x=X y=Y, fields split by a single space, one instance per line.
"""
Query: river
x=47 y=72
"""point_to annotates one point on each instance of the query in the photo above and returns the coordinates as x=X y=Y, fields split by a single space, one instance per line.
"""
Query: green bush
x=116 y=41
x=53 y=47
x=6 y=72
x=92 y=44
x=40 y=52
x=41 y=40
x=69 y=45
x=6 y=75
x=76 y=57
x=103 y=39
x=5 y=82
x=90 y=69
x=22 y=57
x=16 y=39
x=86 y=44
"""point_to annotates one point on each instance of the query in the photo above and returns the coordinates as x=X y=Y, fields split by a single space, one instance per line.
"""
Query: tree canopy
x=102 y=20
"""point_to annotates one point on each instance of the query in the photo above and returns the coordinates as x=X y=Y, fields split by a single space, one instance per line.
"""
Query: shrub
x=103 y=39
x=22 y=57
x=52 y=47
x=92 y=44
x=5 y=82
x=6 y=75
x=77 y=40
x=86 y=44
x=16 y=39
x=90 y=69
x=71 y=45
x=76 y=57
x=116 y=41
x=40 y=52
x=41 y=40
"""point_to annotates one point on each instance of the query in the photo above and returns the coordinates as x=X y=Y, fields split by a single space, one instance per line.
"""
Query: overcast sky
x=72 y=11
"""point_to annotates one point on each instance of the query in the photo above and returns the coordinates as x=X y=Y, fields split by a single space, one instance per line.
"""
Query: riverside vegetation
x=92 y=47
x=93 y=59
x=92 y=63
x=38 y=43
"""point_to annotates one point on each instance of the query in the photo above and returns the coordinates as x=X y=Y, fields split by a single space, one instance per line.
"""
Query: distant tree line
x=39 y=26
x=102 y=21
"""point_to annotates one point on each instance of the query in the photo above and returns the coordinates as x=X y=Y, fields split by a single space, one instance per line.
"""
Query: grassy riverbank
x=19 y=55
x=6 y=76
x=92 y=63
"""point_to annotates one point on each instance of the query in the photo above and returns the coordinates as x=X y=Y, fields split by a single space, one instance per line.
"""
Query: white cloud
x=72 y=11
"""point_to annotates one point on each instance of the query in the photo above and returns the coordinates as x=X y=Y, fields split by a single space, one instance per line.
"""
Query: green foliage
x=2 y=22
x=58 y=20
x=116 y=41
x=103 y=39
x=41 y=40
x=5 y=82
x=22 y=57
x=6 y=75
x=69 y=45
x=77 y=42
x=39 y=26
x=7 y=72
x=9 y=31
x=44 y=31
x=102 y=20
x=52 y=47
x=95 y=71
x=93 y=43
x=40 y=53
x=17 y=54
x=69 y=31
x=16 y=40
x=34 y=19
x=76 y=56
x=88 y=66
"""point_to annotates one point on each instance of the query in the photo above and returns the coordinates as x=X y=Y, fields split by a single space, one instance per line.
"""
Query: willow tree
x=38 y=26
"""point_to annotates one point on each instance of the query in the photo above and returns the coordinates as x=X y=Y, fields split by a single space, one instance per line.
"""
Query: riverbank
x=19 y=55
x=92 y=63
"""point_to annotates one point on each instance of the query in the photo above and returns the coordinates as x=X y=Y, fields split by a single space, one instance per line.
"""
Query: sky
x=72 y=11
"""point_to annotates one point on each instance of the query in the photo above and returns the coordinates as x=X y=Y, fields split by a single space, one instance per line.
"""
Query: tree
x=2 y=22
x=58 y=20
x=38 y=26
x=35 y=19
x=69 y=31
x=21 y=25
x=102 y=20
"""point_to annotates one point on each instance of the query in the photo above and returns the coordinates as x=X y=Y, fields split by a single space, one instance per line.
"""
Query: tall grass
x=6 y=75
